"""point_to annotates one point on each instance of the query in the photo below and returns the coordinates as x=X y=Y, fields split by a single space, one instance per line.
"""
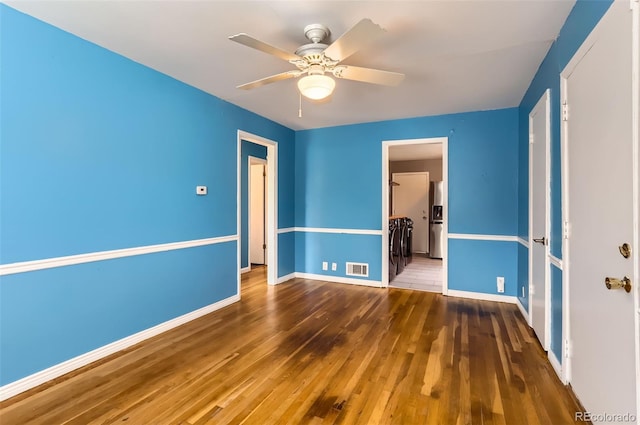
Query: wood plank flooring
x=307 y=352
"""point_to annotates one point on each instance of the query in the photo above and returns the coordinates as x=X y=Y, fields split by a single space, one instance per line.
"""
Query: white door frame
x=545 y=101
x=252 y=160
x=385 y=204
x=272 y=203
x=566 y=278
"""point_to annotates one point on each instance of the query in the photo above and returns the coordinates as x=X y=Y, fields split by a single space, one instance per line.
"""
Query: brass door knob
x=613 y=283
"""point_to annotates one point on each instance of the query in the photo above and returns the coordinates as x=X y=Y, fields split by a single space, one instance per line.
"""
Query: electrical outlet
x=500 y=284
x=325 y=265
x=334 y=267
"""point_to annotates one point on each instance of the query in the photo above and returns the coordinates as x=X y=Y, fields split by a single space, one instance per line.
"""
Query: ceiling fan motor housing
x=316 y=32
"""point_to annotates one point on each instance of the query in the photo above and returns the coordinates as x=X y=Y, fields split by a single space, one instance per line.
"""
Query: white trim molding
x=555 y=261
x=245 y=270
x=286 y=277
x=482 y=296
x=286 y=230
x=474 y=237
x=49 y=263
x=38 y=378
x=525 y=313
x=339 y=279
x=523 y=242
x=331 y=230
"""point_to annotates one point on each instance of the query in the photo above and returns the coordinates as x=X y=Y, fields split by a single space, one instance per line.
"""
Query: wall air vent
x=358 y=269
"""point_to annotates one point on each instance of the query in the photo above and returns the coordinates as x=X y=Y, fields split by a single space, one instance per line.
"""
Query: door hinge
x=565 y=111
x=264 y=246
x=568 y=347
x=566 y=227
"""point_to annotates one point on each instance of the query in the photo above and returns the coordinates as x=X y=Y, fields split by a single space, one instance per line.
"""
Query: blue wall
x=339 y=173
x=97 y=153
x=556 y=312
x=247 y=149
x=582 y=19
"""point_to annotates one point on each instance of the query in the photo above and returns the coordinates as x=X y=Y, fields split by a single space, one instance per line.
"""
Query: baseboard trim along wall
x=31 y=381
x=482 y=296
x=286 y=277
x=557 y=366
x=525 y=313
x=49 y=263
x=330 y=230
x=245 y=269
x=338 y=279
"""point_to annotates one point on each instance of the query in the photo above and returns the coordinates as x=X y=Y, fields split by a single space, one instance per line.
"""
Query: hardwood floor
x=307 y=352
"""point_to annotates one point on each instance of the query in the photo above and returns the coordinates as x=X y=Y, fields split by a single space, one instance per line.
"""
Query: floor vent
x=358 y=269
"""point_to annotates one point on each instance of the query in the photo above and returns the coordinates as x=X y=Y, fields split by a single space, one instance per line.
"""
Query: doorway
x=414 y=214
x=270 y=201
x=257 y=230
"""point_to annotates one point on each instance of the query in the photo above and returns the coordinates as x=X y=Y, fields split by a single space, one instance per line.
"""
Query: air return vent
x=358 y=269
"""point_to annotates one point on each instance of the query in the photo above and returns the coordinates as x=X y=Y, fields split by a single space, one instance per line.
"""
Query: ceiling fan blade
x=359 y=36
x=269 y=80
x=254 y=43
x=368 y=75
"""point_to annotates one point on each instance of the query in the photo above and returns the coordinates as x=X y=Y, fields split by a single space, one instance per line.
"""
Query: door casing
x=272 y=203
x=385 y=203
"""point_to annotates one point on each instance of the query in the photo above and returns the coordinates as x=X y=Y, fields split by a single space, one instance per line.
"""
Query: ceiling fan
x=316 y=59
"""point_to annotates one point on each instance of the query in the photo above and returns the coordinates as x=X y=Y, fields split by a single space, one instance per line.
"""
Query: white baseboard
x=339 y=279
x=245 y=270
x=524 y=312
x=482 y=296
x=556 y=364
x=31 y=381
x=286 y=277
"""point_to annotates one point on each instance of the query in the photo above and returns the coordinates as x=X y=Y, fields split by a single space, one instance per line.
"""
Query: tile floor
x=422 y=274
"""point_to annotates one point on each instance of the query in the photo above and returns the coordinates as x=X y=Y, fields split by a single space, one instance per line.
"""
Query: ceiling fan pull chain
x=300 y=105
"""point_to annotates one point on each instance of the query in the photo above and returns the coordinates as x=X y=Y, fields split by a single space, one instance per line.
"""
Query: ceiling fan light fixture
x=316 y=87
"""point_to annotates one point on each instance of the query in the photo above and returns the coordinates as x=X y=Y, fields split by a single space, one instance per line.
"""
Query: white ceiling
x=415 y=152
x=458 y=56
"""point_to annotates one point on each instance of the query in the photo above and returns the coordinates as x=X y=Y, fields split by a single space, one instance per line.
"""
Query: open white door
x=539 y=219
x=599 y=160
